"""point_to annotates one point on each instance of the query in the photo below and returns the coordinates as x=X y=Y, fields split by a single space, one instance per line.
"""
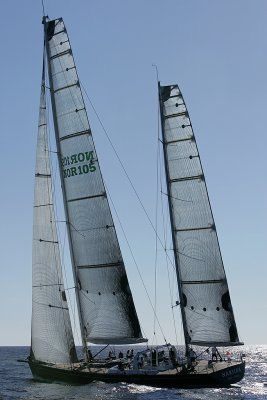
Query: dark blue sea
x=16 y=382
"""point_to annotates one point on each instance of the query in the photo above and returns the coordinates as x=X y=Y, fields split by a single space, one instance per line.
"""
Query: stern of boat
x=229 y=375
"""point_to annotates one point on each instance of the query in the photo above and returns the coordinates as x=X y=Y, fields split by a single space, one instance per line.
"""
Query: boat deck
x=200 y=367
x=202 y=374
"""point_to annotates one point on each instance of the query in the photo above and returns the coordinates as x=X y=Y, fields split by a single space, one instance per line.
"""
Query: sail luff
x=176 y=253
x=85 y=350
x=51 y=333
x=204 y=295
x=107 y=311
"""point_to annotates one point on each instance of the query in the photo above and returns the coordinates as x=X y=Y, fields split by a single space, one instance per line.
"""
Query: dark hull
x=222 y=378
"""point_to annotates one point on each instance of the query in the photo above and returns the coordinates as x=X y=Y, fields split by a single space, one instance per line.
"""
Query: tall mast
x=84 y=343
x=176 y=253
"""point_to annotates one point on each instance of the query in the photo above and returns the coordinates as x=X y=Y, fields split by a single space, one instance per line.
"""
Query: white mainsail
x=106 y=308
x=204 y=295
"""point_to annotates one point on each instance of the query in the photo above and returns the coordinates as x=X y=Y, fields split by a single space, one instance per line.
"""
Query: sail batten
x=63 y=53
x=186 y=178
x=107 y=310
x=110 y=265
x=202 y=281
x=88 y=197
x=87 y=132
x=204 y=295
x=199 y=228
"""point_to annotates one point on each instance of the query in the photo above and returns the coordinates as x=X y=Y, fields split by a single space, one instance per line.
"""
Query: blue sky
x=216 y=52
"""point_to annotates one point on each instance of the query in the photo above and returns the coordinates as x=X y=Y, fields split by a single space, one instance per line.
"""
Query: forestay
x=52 y=339
x=105 y=301
x=205 y=301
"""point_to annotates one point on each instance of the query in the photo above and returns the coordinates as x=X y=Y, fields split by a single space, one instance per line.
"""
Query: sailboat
x=105 y=305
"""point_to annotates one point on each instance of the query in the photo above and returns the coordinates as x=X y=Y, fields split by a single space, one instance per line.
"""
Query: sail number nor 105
x=86 y=161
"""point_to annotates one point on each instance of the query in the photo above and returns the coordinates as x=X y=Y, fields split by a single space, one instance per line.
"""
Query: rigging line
x=177 y=198
x=136 y=265
x=50 y=305
x=157 y=200
x=156 y=255
x=156 y=227
x=62 y=252
x=78 y=231
x=157 y=71
x=192 y=258
x=43 y=8
x=171 y=299
x=164 y=223
x=71 y=306
x=47 y=161
x=171 y=291
x=123 y=168
x=159 y=179
x=53 y=169
x=87 y=297
x=48 y=167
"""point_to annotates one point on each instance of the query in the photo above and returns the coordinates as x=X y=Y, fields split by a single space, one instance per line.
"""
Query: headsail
x=204 y=295
x=105 y=301
x=52 y=339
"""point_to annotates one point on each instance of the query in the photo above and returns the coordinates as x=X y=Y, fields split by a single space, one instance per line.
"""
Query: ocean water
x=16 y=382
